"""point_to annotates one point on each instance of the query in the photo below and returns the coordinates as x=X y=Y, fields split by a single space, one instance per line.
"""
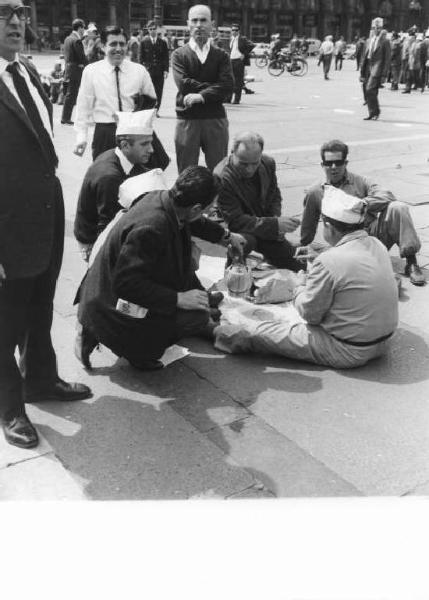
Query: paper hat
x=377 y=22
x=133 y=187
x=135 y=123
x=342 y=207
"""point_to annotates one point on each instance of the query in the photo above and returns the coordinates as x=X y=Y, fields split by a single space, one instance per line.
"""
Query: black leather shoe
x=20 y=432
x=414 y=272
x=61 y=391
x=84 y=344
x=147 y=365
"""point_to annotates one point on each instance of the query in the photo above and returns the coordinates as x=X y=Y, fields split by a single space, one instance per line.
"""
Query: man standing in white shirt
x=202 y=73
x=108 y=86
x=239 y=50
x=325 y=55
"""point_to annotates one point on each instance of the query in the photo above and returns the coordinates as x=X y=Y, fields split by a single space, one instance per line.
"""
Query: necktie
x=32 y=112
x=118 y=89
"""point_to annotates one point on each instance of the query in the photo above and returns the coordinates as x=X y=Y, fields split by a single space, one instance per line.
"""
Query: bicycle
x=263 y=60
x=292 y=63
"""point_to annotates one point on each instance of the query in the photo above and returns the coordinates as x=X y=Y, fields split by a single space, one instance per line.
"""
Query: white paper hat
x=342 y=207
x=133 y=187
x=135 y=123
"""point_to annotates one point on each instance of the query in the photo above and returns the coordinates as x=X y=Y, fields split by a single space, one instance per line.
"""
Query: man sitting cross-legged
x=250 y=201
x=141 y=293
x=385 y=218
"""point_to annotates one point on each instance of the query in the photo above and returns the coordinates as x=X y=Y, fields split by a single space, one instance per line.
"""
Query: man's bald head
x=247 y=147
x=200 y=23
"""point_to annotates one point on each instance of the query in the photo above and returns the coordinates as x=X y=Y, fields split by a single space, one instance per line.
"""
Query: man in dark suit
x=251 y=202
x=31 y=237
x=141 y=293
x=375 y=67
x=239 y=50
x=155 y=57
x=75 y=61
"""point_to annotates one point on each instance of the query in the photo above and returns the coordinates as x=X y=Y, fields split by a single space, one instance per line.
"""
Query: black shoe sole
x=24 y=446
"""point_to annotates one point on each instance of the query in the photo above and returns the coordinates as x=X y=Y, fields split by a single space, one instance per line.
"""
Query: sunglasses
x=334 y=163
x=7 y=12
x=234 y=29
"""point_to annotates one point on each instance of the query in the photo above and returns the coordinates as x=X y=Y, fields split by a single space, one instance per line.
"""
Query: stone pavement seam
x=18 y=462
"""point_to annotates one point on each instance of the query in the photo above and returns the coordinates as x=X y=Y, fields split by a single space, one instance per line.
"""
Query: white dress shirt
x=6 y=77
x=125 y=163
x=97 y=100
x=235 y=52
x=202 y=53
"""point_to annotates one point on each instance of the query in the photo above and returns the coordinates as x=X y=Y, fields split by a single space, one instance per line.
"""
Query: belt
x=363 y=344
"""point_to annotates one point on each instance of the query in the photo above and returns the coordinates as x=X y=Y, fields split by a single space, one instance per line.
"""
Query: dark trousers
x=157 y=77
x=209 y=135
x=371 y=88
x=73 y=85
x=280 y=254
x=140 y=339
x=238 y=72
x=104 y=139
x=395 y=69
x=26 y=308
x=338 y=62
x=326 y=60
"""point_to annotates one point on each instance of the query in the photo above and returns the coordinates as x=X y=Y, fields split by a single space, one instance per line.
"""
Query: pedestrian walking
x=154 y=56
x=325 y=55
x=31 y=237
x=75 y=61
x=239 y=52
x=339 y=49
x=395 y=60
x=375 y=66
x=203 y=77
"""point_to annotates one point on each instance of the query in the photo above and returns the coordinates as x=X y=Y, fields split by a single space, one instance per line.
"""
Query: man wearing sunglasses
x=239 y=50
x=31 y=237
x=385 y=218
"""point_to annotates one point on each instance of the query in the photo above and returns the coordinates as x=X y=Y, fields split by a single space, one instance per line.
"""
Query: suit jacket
x=238 y=213
x=245 y=46
x=146 y=259
x=98 y=198
x=154 y=56
x=74 y=55
x=31 y=204
x=377 y=65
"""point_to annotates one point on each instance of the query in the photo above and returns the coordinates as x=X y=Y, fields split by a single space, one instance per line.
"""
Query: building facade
x=258 y=18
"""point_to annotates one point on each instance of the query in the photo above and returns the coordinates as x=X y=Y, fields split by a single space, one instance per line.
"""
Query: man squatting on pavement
x=385 y=218
x=146 y=260
x=349 y=299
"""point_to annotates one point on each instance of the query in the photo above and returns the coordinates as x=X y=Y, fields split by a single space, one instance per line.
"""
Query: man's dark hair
x=334 y=146
x=235 y=25
x=343 y=228
x=135 y=32
x=112 y=30
x=77 y=24
x=150 y=24
x=195 y=185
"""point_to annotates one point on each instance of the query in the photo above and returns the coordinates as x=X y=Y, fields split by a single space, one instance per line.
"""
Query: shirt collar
x=194 y=46
x=4 y=63
x=354 y=235
x=125 y=163
x=111 y=67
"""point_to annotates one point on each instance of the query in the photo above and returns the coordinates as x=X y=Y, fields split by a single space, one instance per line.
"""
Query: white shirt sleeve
x=84 y=107
x=147 y=86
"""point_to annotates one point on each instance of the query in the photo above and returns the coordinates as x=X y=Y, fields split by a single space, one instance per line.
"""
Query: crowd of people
x=141 y=292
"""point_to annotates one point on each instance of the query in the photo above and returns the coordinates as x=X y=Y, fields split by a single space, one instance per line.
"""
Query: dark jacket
x=239 y=215
x=74 y=55
x=376 y=67
x=213 y=80
x=146 y=260
x=245 y=46
x=98 y=198
x=155 y=56
x=30 y=194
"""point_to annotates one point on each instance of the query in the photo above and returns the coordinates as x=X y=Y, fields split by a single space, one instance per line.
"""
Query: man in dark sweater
x=98 y=198
x=203 y=75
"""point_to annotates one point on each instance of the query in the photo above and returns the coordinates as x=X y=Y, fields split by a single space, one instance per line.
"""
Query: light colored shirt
x=351 y=290
x=97 y=100
x=235 y=52
x=7 y=79
x=125 y=163
x=201 y=53
x=327 y=47
x=375 y=196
